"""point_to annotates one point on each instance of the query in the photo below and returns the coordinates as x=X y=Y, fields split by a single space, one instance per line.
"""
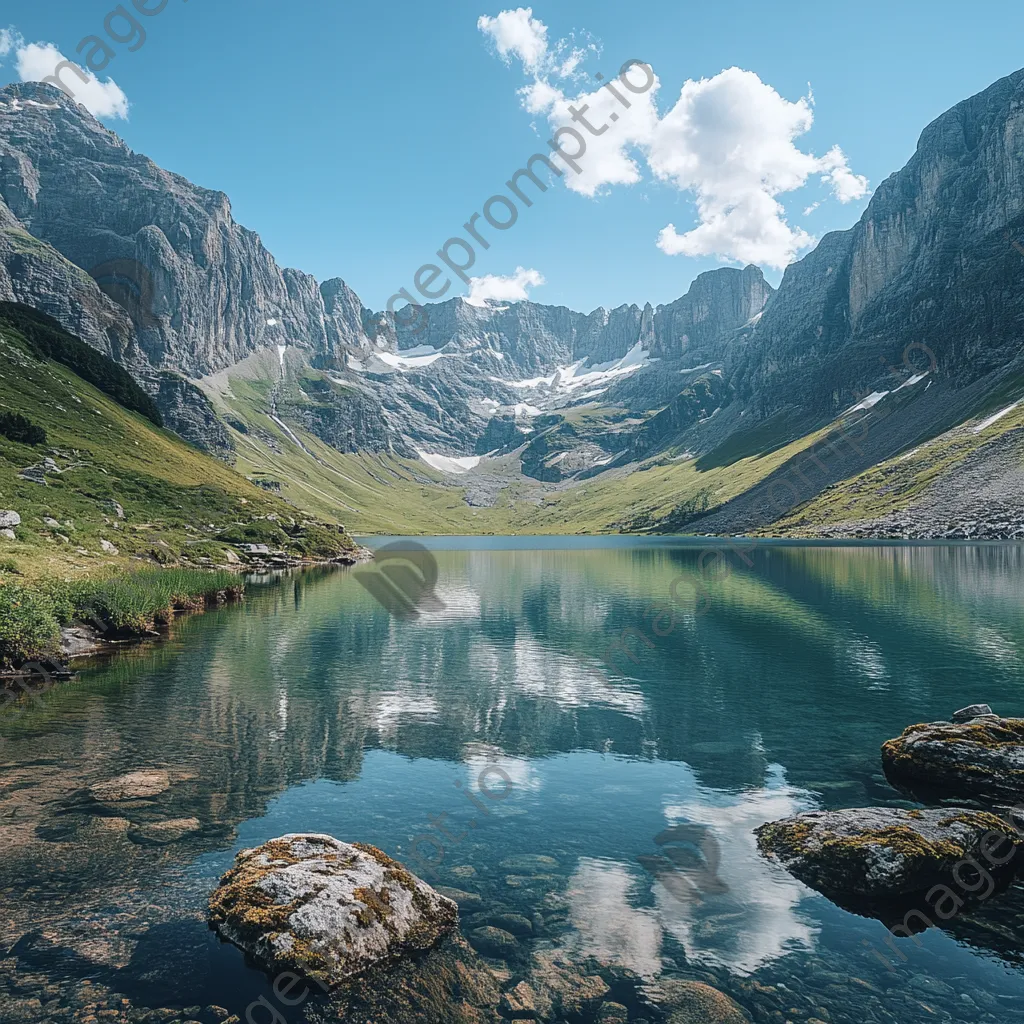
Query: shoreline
x=81 y=641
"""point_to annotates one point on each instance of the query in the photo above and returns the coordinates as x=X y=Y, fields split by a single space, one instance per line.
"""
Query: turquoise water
x=567 y=698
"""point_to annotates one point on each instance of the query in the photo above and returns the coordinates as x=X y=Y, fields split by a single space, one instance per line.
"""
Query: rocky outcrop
x=882 y=853
x=979 y=759
x=930 y=264
x=701 y=326
x=209 y=293
x=35 y=274
x=328 y=910
x=187 y=411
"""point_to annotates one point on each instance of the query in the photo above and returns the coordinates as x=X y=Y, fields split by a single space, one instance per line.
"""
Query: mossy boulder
x=981 y=759
x=325 y=909
x=884 y=853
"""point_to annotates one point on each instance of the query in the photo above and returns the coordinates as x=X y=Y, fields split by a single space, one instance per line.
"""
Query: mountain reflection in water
x=310 y=708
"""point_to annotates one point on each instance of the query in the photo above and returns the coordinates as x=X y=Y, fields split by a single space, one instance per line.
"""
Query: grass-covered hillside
x=91 y=488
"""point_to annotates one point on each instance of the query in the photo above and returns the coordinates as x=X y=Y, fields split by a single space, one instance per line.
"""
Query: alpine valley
x=877 y=392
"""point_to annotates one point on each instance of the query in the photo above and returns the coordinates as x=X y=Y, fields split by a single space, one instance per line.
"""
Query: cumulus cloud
x=728 y=141
x=38 y=61
x=518 y=33
x=513 y=288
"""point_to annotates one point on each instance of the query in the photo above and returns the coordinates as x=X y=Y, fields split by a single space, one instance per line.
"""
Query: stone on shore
x=979 y=759
x=971 y=712
x=325 y=909
x=881 y=853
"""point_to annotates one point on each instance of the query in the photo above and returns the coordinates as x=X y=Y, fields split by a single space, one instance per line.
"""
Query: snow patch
x=995 y=419
x=281 y=349
x=567 y=379
x=410 y=358
x=868 y=403
x=916 y=379
x=449 y=463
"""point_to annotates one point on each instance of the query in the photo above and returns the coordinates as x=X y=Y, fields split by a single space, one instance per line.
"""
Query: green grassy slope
x=178 y=502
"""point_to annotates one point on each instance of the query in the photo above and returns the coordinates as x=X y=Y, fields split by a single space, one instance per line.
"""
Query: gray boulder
x=882 y=853
x=971 y=712
x=325 y=909
x=8 y=520
x=981 y=759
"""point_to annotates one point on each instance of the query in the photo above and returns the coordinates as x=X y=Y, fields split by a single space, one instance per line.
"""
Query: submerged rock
x=160 y=833
x=980 y=759
x=693 y=1002
x=325 y=909
x=134 y=786
x=450 y=984
x=881 y=853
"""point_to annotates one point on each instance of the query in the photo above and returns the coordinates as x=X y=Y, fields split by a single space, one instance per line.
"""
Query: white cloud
x=36 y=61
x=607 y=159
x=513 y=288
x=729 y=141
x=9 y=38
x=846 y=186
x=518 y=33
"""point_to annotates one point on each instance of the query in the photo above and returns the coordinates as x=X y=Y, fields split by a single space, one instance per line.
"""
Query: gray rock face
x=879 y=853
x=212 y=294
x=973 y=711
x=187 y=411
x=700 y=327
x=930 y=264
x=325 y=909
x=34 y=273
x=981 y=759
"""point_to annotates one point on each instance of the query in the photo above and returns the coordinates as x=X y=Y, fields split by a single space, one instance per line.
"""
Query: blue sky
x=356 y=139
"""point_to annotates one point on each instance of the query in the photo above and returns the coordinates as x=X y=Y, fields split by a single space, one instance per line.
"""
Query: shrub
x=28 y=626
x=18 y=428
x=321 y=542
x=262 y=531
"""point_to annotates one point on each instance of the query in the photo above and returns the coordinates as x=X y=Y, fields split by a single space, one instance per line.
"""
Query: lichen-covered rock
x=879 y=853
x=981 y=759
x=325 y=909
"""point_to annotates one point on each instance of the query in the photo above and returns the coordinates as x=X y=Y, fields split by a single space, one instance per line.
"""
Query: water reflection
x=311 y=707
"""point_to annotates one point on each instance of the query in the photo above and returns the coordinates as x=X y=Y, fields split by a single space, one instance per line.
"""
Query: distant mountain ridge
x=246 y=358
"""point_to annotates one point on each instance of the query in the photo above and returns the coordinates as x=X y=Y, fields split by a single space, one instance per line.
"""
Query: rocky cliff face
x=213 y=293
x=930 y=272
x=701 y=326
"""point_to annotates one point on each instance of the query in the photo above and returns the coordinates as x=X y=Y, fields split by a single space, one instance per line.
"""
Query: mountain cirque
x=514 y=406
